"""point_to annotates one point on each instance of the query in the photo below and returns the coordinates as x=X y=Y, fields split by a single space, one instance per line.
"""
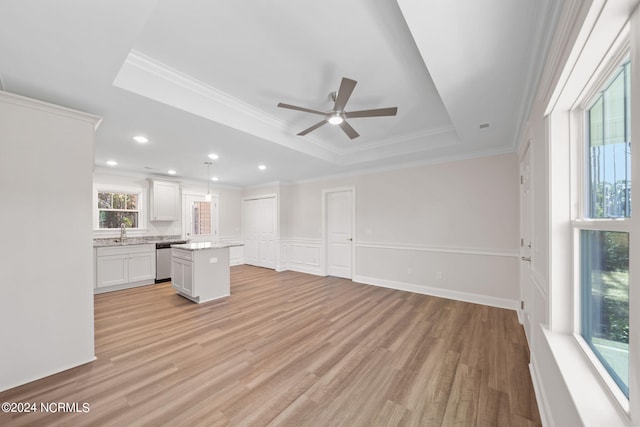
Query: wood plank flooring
x=291 y=349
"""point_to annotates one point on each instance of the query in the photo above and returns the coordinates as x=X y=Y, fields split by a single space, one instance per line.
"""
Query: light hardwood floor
x=291 y=349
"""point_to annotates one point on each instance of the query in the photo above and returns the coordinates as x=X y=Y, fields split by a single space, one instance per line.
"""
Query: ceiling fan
x=338 y=116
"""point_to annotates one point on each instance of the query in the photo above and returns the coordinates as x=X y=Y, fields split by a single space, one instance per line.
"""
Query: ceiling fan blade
x=344 y=93
x=312 y=128
x=351 y=132
x=306 y=110
x=392 y=111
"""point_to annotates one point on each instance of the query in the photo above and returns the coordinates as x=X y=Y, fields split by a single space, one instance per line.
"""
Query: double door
x=260 y=225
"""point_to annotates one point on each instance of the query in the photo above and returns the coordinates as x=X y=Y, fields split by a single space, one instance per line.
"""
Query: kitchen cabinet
x=182 y=272
x=124 y=267
x=200 y=271
x=164 y=200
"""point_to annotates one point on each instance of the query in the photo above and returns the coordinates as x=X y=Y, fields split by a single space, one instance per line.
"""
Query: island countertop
x=197 y=246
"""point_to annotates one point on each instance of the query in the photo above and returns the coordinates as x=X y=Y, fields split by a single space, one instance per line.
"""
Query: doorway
x=200 y=217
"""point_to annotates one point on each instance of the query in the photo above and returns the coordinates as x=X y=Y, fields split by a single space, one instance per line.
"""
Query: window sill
x=594 y=400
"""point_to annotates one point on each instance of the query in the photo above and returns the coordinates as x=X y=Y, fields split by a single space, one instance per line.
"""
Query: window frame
x=108 y=188
x=581 y=219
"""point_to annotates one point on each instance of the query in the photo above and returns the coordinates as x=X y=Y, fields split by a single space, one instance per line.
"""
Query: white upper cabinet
x=164 y=201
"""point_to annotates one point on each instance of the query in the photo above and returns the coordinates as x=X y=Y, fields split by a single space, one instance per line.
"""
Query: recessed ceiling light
x=262 y=167
x=215 y=178
x=112 y=162
x=214 y=156
x=171 y=172
x=141 y=139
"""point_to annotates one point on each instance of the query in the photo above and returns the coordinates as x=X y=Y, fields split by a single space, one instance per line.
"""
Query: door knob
x=525 y=258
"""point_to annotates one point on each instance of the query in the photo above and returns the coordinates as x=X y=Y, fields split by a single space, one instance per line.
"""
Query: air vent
x=485 y=125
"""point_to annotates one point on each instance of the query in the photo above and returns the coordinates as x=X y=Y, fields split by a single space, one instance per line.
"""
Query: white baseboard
x=47 y=373
x=305 y=268
x=543 y=405
x=124 y=286
x=439 y=292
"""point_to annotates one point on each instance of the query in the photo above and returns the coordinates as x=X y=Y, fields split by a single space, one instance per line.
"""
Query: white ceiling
x=199 y=76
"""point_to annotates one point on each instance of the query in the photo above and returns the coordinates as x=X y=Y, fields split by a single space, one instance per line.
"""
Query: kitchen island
x=200 y=270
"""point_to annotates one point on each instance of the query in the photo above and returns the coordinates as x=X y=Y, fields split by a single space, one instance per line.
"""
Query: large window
x=604 y=227
x=115 y=209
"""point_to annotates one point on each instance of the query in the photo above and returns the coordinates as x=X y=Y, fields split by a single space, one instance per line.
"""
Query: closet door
x=252 y=235
x=261 y=229
x=268 y=212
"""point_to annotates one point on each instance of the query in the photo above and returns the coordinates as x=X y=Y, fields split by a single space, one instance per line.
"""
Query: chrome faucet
x=123 y=233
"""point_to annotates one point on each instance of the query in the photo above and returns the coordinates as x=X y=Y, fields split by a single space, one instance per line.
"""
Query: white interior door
x=251 y=234
x=339 y=233
x=526 y=229
x=260 y=225
x=268 y=232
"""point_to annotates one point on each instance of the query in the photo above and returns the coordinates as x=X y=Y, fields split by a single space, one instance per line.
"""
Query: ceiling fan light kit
x=338 y=115
x=336 y=119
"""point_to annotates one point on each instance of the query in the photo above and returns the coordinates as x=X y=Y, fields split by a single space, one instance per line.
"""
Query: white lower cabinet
x=111 y=270
x=124 y=267
x=201 y=275
x=182 y=275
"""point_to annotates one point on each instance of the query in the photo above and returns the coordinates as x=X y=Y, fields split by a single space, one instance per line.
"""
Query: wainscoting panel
x=479 y=276
x=539 y=347
x=236 y=253
x=305 y=256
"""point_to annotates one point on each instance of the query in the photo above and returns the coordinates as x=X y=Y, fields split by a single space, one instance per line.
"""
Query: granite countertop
x=146 y=240
x=197 y=246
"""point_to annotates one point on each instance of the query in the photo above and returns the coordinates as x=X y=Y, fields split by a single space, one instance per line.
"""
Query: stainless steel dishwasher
x=163 y=260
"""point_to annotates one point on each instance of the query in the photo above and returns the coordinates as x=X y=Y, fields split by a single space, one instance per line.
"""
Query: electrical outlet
x=213 y=260
x=438 y=275
x=409 y=271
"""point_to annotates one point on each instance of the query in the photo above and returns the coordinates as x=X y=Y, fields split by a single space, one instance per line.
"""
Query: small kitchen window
x=115 y=209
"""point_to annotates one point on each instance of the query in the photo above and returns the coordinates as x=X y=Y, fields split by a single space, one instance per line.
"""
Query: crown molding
x=543 y=36
x=572 y=17
x=145 y=76
x=23 y=101
x=423 y=134
x=151 y=78
x=479 y=154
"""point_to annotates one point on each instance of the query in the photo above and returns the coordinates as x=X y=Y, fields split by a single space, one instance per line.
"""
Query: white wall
x=415 y=222
x=46 y=299
x=568 y=388
x=230 y=212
